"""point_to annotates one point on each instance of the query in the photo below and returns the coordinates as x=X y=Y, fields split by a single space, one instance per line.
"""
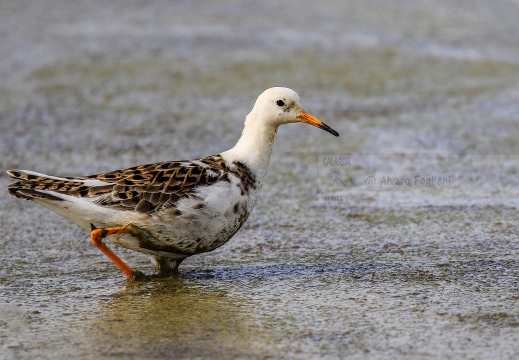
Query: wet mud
x=396 y=240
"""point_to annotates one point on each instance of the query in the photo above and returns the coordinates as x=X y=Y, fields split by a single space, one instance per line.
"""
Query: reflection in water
x=172 y=316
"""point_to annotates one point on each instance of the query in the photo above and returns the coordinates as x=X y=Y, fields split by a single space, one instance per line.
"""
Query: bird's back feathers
x=144 y=188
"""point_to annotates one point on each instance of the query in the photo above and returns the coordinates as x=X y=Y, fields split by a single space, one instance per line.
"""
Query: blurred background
x=87 y=87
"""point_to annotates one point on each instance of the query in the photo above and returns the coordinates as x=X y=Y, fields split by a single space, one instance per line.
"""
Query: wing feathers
x=143 y=188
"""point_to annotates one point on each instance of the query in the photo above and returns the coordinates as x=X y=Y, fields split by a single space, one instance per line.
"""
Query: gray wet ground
x=396 y=240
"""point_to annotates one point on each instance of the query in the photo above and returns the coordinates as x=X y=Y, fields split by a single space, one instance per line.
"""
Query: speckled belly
x=189 y=234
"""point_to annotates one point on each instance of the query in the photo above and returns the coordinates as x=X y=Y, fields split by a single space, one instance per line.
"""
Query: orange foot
x=97 y=236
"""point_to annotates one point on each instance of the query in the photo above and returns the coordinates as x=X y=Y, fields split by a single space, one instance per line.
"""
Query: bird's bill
x=310 y=119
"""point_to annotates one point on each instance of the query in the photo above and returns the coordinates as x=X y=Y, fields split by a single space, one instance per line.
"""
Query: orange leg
x=97 y=236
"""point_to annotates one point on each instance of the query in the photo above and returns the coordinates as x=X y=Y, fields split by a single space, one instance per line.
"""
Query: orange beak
x=309 y=119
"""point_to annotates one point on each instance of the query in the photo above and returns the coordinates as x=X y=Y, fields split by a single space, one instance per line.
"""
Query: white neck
x=254 y=147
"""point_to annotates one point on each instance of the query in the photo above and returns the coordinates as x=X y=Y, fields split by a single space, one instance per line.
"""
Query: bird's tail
x=31 y=185
x=34 y=186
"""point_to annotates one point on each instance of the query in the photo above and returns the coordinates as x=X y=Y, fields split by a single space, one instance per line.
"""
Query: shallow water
x=328 y=265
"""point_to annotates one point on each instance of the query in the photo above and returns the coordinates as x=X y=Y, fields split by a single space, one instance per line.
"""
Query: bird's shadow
x=354 y=270
x=471 y=272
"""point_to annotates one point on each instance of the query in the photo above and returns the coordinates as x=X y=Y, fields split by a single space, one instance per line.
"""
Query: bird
x=171 y=210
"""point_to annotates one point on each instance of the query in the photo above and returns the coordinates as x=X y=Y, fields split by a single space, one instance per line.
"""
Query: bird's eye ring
x=280 y=103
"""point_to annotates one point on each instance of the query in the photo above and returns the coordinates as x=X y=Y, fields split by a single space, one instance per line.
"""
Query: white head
x=278 y=105
x=275 y=106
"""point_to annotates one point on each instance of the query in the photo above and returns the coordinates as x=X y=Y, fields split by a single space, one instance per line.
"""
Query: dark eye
x=280 y=103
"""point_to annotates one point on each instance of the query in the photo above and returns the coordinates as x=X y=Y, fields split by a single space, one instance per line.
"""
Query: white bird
x=174 y=209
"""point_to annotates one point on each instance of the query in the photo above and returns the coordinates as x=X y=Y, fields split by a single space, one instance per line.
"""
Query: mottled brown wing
x=145 y=188
x=149 y=187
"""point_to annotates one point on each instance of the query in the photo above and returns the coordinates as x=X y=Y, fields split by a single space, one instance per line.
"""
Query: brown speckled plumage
x=146 y=188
